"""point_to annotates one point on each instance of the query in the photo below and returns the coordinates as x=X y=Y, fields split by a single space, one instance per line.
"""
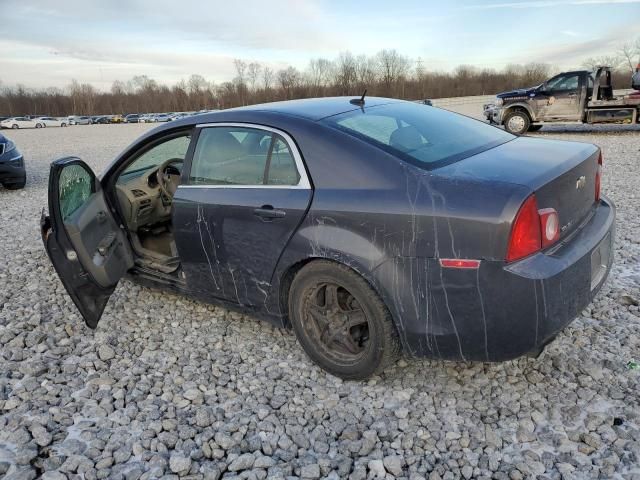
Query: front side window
x=425 y=136
x=242 y=156
x=564 y=83
x=75 y=185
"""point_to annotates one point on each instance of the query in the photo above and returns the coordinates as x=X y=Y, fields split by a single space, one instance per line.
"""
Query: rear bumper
x=12 y=167
x=500 y=312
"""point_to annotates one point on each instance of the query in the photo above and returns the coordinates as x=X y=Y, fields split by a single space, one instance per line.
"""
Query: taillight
x=532 y=230
x=525 y=236
x=549 y=226
x=598 y=176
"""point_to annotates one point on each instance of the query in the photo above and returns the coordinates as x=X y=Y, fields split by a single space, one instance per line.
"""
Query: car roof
x=310 y=108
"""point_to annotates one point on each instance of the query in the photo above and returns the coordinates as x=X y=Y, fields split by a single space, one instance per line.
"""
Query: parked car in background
x=179 y=115
x=21 y=122
x=116 y=119
x=161 y=117
x=369 y=226
x=132 y=118
x=79 y=120
x=12 y=171
x=53 y=122
x=101 y=120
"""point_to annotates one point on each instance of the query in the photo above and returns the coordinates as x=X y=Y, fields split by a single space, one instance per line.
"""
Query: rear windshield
x=425 y=136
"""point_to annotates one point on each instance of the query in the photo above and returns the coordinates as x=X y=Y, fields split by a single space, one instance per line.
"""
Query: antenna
x=358 y=101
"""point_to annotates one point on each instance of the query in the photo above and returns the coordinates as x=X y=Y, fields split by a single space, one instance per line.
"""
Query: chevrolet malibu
x=370 y=226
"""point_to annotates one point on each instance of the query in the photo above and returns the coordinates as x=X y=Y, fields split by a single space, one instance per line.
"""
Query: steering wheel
x=167 y=187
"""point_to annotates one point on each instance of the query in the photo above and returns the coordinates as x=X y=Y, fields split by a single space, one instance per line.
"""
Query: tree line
x=388 y=73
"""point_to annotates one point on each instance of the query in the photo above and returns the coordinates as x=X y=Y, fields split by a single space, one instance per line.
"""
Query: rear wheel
x=341 y=322
x=63 y=124
x=15 y=126
x=38 y=125
x=517 y=122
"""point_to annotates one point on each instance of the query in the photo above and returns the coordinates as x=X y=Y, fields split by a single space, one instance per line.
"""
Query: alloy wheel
x=336 y=322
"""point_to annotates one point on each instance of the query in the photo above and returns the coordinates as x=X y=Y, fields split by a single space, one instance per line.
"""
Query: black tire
x=534 y=128
x=38 y=125
x=15 y=185
x=63 y=125
x=376 y=344
x=517 y=122
x=15 y=126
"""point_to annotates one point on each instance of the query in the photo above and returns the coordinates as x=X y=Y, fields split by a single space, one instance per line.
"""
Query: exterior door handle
x=268 y=212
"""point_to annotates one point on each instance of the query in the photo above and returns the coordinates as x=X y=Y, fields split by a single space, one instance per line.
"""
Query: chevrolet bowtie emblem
x=581 y=182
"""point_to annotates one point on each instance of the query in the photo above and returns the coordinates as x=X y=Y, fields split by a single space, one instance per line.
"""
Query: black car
x=12 y=172
x=101 y=120
x=369 y=226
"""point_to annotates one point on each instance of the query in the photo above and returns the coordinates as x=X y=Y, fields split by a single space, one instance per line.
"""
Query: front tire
x=38 y=125
x=517 y=122
x=15 y=126
x=63 y=125
x=340 y=321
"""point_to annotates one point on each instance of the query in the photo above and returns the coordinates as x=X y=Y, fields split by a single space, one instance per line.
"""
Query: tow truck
x=580 y=96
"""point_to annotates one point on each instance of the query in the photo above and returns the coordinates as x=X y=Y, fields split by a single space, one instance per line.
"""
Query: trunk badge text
x=581 y=182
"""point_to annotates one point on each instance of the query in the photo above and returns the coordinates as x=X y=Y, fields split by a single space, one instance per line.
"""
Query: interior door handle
x=268 y=212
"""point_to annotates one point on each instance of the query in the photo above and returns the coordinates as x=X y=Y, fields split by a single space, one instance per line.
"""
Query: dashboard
x=141 y=200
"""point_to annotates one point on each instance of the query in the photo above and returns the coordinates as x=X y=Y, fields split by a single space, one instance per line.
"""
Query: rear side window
x=242 y=156
x=422 y=135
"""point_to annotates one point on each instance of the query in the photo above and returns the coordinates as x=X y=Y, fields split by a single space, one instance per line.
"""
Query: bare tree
x=319 y=74
x=366 y=76
x=612 y=61
x=267 y=78
x=628 y=53
x=393 y=67
x=345 y=74
x=253 y=72
x=240 y=80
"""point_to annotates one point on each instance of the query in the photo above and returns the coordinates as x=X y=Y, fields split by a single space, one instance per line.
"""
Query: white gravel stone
x=179 y=463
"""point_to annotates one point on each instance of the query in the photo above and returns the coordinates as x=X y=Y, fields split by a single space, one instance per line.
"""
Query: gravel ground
x=171 y=387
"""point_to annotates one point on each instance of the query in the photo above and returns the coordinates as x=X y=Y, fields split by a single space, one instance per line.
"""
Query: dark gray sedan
x=369 y=226
x=12 y=171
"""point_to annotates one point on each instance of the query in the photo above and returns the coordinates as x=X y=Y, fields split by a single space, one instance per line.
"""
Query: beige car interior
x=145 y=192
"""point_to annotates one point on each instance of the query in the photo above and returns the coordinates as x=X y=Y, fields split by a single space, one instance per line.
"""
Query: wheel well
x=285 y=285
x=519 y=109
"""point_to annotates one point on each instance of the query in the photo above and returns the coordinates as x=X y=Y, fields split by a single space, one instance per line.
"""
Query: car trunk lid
x=562 y=174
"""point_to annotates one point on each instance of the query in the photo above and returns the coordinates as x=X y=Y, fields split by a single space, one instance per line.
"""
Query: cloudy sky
x=48 y=43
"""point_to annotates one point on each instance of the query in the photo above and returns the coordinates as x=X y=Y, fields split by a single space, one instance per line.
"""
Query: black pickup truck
x=569 y=97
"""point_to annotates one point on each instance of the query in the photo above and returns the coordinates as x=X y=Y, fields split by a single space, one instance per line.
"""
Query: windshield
x=425 y=136
x=174 y=148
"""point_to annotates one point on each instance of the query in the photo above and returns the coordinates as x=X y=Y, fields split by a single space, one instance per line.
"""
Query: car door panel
x=86 y=246
x=561 y=103
x=229 y=243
